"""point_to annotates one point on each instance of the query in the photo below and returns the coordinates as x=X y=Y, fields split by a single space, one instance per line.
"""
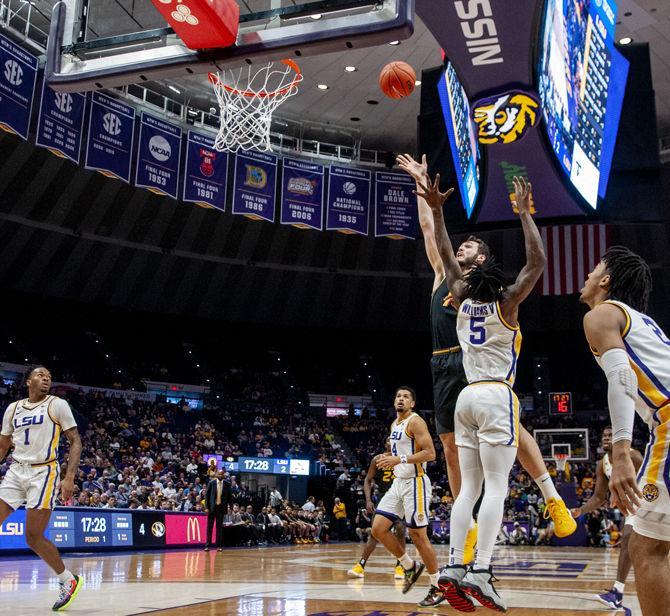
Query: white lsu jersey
x=35 y=429
x=490 y=345
x=403 y=445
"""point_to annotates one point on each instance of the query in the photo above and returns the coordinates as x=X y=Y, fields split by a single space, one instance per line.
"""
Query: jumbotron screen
x=462 y=139
x=581 y=82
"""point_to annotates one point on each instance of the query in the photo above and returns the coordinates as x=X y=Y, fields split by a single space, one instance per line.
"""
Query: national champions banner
x=61 y=121
x=111 y=132
x=348 y=200
x=205 y=173
x=158 y=156
x=254 y=186
x=395 y=206
x=302 y=194
x=18 y=74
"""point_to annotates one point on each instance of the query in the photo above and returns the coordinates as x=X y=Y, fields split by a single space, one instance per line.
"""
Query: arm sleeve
x=62 y=413
x=7 y=427
x=621 y=393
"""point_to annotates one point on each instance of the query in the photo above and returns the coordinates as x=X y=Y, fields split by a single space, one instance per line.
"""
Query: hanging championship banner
x=348 y=200
x=206 y=172
x=111 y=133
x=254 y=185
x=396 y=214
x=302 y=194
x=60 y=123
x=158 y=156
x=18 y=73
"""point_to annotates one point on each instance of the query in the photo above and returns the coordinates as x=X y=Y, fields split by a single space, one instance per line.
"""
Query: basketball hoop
x=561 y=460
x=247 y=99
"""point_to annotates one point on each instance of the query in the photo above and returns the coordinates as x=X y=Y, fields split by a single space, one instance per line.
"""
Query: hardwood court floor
x=305 y=580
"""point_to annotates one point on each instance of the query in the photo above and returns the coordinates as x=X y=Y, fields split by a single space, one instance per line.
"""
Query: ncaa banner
x=348 y=200
x=206 y=172
x=111 y=133
x=60 y=123
x=302 y=194
x=254 y=185
x=396 y=214
x=158 y=156
x=18 y=74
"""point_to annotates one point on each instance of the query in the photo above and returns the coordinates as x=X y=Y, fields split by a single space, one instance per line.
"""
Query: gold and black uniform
x=446 y=364
x=383 y=479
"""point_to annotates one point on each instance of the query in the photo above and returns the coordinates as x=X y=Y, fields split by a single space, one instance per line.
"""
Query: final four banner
x=348 y=200
x=395 y=206
x=61 y=122
x=158 y=156
x=206 y=172
x=111 y=133
x=302 y=194
x=254 y=188
x=18 y=73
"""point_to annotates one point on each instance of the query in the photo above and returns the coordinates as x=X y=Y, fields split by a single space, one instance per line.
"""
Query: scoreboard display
x=274 y=466
x=560 y=403
x=75 y=528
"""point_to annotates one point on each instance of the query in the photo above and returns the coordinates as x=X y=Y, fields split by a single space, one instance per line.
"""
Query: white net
x=561 y=460
x=247 y=99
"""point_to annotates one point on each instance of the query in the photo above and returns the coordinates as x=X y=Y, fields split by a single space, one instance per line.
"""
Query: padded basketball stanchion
x=202 y=24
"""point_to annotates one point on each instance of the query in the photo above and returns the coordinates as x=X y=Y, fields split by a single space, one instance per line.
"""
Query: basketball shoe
x=356 y=571
x=450 y=584
x=67 y=593
x=478 y=583
x=412 y=575
x=398 y=572
x=564 y=523
x=613 y=599
x=433 y=598
x=469 y=545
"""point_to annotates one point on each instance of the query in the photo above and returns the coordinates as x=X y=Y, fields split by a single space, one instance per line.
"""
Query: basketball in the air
x=397 y=79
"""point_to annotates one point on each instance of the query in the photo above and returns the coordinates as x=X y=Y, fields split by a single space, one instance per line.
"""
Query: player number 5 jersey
x=36 y=428
x=490 y=346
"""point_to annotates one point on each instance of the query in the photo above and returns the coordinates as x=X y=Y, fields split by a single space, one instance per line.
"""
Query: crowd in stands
x=150 y=454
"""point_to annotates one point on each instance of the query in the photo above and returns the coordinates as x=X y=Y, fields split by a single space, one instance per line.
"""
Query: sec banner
x=60 y=123
x=254 y=186
x=348 y=200
x=158 y=156
x=395 y=206
x=18 y=73
x=206 y=172
x=111 y=133
x=302 y=194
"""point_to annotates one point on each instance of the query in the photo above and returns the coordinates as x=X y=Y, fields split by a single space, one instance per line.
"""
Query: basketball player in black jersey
x=447 y=365
x=383 y=479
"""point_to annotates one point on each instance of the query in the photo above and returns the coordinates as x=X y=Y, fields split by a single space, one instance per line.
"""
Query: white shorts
x=652 y=519
x=407 y=499
x=34 y=486
x=487 y=412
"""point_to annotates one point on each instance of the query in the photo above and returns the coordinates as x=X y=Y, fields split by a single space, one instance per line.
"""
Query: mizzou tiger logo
x=505 y=118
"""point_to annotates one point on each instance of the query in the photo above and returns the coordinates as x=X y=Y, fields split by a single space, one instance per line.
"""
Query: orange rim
x=214 y=79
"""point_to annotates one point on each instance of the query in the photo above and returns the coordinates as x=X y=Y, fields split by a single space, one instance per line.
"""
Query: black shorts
x=448 y=381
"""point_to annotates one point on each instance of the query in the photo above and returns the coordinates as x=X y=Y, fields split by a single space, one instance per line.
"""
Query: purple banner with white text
x=18 y=74
x=158 y=156
x=302 y=194
x=395 y=206
x=254 y=186
x=206 y=172
x=348 y=200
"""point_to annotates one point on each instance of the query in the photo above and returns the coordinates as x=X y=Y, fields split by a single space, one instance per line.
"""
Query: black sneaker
x=411 y=576
x=433 y=598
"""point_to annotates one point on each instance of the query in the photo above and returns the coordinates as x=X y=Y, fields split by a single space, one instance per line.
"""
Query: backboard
x=96 y=44
x=572 y=441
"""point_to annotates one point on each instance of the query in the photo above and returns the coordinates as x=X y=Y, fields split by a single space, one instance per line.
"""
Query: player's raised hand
x=430 y=191
x=624 y=491
x=522 y=194
x=419 y=171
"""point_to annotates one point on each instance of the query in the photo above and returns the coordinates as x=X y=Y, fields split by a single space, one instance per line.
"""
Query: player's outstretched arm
x=430 y=191
x=419 y=172
x=603 y=326
x=73 y=459
x=535 y=257
x=599 y=497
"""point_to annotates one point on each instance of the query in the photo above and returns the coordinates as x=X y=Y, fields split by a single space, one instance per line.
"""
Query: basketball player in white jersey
x=447 y=366
x=409 y=496
x=634 y=354
x=487 y=411
x=33 y=426
x=612 y=598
